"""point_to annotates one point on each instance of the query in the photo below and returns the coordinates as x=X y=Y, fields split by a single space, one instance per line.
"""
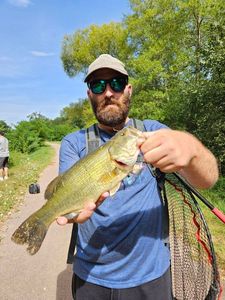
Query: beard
x=110 y=111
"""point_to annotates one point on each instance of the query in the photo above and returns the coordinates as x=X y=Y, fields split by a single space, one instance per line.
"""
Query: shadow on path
x=63 y=289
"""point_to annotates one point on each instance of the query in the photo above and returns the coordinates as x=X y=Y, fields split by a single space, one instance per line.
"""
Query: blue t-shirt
x=121 y=245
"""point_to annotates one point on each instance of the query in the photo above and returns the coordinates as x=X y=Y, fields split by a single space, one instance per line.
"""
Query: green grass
x=24 y=169
x=216 y=196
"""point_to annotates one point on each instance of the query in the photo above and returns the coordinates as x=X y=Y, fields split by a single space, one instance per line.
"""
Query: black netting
x=193 y=263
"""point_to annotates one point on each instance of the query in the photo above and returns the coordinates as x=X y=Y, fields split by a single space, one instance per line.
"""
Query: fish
x=100 y=171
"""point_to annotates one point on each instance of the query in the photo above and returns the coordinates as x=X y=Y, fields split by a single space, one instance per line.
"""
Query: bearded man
x=121 y=253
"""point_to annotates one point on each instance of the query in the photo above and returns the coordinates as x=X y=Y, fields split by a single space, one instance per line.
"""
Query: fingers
x=101 y=198
x=85 y=214
x=62 y=220
x=167 y=149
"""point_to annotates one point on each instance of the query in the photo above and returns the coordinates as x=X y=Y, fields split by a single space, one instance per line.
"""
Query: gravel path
x=44 y=276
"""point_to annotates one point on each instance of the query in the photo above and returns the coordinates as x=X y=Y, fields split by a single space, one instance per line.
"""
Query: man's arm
x=177 y=151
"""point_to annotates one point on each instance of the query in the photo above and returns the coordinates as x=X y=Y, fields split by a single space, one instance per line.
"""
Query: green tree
x=24 y=138
x=174 y=52
x=4 y=126
x=79 y=114
x=82 y=47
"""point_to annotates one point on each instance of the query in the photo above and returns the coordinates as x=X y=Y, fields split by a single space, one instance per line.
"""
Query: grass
x=216 y=196
x=24 y=169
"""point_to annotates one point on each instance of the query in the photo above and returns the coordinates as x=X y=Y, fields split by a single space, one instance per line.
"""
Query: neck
x=113 y=129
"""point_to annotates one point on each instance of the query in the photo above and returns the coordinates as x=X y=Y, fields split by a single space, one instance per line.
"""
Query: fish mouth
x=121 y=164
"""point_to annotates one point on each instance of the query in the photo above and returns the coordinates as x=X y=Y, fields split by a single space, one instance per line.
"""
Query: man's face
x=110 y=108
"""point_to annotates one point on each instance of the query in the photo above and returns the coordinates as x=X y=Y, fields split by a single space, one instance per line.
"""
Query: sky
x=32 y=78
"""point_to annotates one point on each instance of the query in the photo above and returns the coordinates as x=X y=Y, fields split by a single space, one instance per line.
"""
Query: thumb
x=144 y=136
x=148 y=134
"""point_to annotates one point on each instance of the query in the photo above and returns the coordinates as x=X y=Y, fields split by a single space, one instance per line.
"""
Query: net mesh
x=193 y=263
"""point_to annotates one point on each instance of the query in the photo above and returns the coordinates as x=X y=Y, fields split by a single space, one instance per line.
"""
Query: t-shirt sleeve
x=70 y=151
x=152 y=125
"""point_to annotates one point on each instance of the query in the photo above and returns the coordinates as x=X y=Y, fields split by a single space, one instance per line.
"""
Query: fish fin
x=114 y=189
x=31 y=232
x=52 y=187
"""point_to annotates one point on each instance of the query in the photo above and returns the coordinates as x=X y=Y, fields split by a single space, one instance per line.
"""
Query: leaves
x=82 y=47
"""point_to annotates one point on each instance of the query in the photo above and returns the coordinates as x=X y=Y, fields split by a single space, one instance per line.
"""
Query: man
x=4 y=156
x=120 y=250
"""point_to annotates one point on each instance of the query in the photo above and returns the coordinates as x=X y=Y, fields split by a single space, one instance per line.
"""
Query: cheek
x=95 y=101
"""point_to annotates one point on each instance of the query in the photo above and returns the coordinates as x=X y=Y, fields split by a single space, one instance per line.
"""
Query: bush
x=24 y=138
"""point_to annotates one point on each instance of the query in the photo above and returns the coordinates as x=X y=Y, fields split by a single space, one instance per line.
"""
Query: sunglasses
x=117 y=84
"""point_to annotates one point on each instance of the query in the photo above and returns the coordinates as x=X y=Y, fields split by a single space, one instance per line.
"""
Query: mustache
x=108 y=101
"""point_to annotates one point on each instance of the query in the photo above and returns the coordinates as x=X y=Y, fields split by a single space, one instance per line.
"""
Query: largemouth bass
x=98 y=172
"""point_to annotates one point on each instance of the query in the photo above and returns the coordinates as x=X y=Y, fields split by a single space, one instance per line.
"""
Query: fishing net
x=193 y=263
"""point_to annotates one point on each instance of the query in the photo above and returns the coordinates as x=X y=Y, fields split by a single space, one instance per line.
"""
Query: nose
x=108 y=91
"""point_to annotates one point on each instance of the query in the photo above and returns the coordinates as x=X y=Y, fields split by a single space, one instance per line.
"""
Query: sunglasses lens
x=118 y=84
x=98 y=86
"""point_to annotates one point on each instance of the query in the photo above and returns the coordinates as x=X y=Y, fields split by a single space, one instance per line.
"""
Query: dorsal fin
x=52 y=187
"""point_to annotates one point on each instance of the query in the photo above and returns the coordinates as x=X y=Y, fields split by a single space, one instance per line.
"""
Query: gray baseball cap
x=106 y=61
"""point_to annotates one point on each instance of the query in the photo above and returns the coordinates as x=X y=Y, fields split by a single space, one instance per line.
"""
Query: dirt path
x=44 y=276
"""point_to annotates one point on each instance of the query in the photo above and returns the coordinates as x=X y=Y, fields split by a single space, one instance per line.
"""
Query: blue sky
x=32 y=78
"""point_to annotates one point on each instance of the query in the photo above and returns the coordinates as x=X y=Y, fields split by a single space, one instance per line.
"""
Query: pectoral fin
x=52 y=187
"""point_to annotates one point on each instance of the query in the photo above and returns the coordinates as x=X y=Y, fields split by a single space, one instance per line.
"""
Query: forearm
x=177 y=151
x=202 y=171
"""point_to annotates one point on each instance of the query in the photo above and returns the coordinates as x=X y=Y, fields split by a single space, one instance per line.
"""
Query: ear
x=88 y=93
x=129 y=90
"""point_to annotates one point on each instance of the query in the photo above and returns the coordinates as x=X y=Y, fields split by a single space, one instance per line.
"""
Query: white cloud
x=42 y=54
x=20 y=3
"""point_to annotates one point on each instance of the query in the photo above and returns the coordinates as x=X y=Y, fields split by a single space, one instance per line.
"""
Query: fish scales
x=98 y=172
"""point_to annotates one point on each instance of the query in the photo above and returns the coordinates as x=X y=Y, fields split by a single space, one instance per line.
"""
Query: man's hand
x=85 y=214
x=177 y=151
x=168 y=150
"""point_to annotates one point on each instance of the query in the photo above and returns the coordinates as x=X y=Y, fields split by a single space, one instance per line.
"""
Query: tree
x=4 y=126
x=79 y=114
x=82 y=47
x=24 y=138
x=174 y=52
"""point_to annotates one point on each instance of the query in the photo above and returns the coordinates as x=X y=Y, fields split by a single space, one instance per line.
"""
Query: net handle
x=213 y=209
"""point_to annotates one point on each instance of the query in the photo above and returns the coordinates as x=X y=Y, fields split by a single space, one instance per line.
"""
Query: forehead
x=104 y=73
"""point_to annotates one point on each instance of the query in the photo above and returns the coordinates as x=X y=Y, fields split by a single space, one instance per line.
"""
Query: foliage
x=25 y=169
x=79 y=114
x=28 y=136
x=25 y=137
x=217 y=198
x=82 y=47
x=4 y=126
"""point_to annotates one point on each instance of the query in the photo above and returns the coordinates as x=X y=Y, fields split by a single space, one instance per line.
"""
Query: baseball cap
x=106 y=61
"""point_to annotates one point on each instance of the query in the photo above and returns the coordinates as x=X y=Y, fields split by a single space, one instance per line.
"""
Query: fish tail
x=32 y=233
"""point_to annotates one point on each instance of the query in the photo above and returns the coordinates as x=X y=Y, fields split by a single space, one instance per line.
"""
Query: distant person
x=4 y=156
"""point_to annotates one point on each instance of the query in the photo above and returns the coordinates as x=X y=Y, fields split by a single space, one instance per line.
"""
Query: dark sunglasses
x=117 y=84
